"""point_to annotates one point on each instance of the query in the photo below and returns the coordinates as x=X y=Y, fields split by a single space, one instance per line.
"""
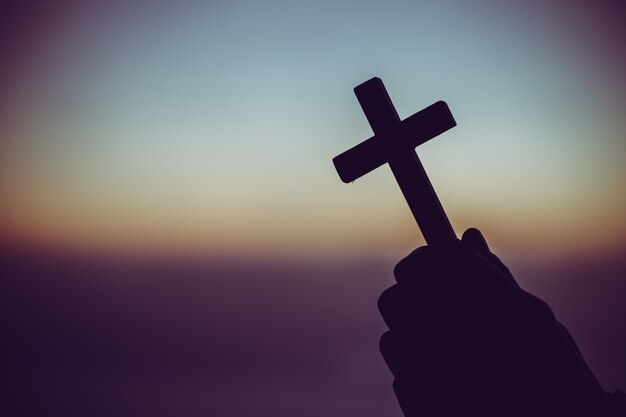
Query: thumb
x=473 y=239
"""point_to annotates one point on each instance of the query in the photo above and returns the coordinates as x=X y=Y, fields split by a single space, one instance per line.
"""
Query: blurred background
x=174 y=239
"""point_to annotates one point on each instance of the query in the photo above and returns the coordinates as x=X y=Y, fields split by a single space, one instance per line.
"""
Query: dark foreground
x=102 y=337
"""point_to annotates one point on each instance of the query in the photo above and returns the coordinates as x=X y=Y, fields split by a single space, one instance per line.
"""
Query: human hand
x=465 y=339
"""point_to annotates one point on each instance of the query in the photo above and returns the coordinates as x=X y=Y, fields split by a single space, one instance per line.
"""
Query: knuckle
x=540 y=308
x=398 y=270
x=409 y=264
x=545 y=310
x=385 y=343
x=397 y=386
x=386 y=299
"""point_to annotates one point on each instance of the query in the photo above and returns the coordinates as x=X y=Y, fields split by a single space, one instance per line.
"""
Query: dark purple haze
x=102 y=337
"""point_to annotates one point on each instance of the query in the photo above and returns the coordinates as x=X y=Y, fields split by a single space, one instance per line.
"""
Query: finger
x=395 y=307
x=418 y=397
x=410 y=353
x=446 y=274
x=421 y=259
x=474 y=240
x=413 y=312
x=431 y=269
x=391 y=352
x=407 y=395
x=418 y=354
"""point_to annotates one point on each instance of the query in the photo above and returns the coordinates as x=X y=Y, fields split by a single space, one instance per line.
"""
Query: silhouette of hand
x=466 y=340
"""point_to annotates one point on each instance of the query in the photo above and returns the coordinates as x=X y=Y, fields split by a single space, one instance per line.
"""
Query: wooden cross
x=394 y=142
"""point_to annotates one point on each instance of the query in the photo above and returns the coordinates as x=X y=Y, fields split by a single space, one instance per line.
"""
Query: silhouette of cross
x=394 y=142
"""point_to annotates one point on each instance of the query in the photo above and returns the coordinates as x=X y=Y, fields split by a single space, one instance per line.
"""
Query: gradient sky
x=210 y=127
x=207 y=130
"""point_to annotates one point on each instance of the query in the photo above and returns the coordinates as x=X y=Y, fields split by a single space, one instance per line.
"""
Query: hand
x=466 y=340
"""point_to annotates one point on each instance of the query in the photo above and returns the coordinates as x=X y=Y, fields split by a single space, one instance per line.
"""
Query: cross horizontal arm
x=361 y=159
x=412 y=132
x=427 y=124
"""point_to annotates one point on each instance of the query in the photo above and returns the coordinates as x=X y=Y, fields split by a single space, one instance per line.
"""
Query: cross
x=394 y=142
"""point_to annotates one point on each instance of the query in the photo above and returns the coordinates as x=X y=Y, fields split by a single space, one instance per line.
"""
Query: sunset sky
x=209 y=127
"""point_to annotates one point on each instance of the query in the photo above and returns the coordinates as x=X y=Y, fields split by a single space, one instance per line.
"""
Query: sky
x=167 y=191
x=209 y=127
